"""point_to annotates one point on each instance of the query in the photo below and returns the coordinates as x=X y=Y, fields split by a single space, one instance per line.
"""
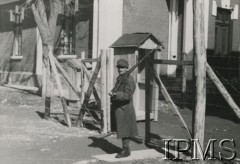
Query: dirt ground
x=26 y=138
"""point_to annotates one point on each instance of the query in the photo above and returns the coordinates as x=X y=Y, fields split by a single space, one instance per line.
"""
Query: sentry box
x=132 y=47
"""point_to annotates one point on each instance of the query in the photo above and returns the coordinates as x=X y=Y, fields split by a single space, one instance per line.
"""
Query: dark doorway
x=220 y=59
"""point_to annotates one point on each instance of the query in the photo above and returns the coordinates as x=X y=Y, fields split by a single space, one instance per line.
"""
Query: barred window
x=17 y=17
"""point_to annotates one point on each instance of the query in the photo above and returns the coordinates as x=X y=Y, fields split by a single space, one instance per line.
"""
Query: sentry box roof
x=137 y=40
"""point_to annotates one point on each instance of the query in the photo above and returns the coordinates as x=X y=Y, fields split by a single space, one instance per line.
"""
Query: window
x=222 y=32
x=17 y=17
x=68 y=30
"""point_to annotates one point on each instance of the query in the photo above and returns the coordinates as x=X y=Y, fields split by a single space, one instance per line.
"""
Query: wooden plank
x=66 y=76
x=59 y=85
x=199 y=70
x=90 y=60
x=148 y=100
x=223 y=91
x=168 y=98
x=172 y=62
x=88 y=75
x=103 y=90
x=88 y=94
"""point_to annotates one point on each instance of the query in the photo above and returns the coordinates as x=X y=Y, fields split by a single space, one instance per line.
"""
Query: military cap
x=122 y=63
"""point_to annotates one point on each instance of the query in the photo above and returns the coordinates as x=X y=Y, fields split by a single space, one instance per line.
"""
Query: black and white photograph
x=119 y=81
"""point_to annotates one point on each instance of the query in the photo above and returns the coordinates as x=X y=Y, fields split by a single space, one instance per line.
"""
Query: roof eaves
x=3 y=2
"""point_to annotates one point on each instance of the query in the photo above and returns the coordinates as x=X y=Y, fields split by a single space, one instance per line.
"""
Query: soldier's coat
x=122 y=106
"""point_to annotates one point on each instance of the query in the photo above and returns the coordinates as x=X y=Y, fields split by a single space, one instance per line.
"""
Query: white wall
x=107 y=23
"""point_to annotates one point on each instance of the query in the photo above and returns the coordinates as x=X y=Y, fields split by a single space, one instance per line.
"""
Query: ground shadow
x=104 y=144
x=56 y=117
x=59 y=117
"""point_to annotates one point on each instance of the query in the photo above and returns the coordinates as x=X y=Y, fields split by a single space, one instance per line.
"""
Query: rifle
x=126 y=75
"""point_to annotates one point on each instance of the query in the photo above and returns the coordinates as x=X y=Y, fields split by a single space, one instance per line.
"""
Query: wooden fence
x=86 y=86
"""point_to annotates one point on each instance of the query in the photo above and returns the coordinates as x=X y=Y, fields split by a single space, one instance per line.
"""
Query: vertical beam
x=173 y=35
x=109 y=84
x=147 y=100
x=39 y=52
x=103 y=89
x=188 y=27
x=72 y=77
x=47 y=84
x=155 y=86
x=84 y=78
x=136 y=95
x=199 y=71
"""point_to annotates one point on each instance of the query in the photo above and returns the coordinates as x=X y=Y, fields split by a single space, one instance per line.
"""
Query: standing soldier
x=122 y=106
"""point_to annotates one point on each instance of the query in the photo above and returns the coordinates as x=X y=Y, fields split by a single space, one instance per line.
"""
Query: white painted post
x=103 y=89
x=109 y=84
x=136 y=96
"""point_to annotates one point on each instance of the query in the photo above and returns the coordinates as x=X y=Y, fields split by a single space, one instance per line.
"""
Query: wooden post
x=199 y=59
x=78 y=83
x=83 y=78
x=104 y=90
x=157 y=55
x=110 y=72
x=148 y=101
x=223 y=91
x=72 y=77
x=39 y=62
x=184 y=80
x=44 y=79
x=47 y=84
x=59 y=85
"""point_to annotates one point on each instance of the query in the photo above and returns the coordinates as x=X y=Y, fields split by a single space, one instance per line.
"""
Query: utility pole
x=199 y=71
